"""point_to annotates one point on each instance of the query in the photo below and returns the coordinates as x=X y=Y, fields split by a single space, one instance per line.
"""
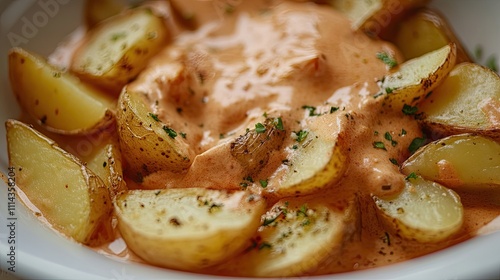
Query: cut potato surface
x=119 y=48
x=189 y=228
x=316 y=160
x=424 y=211
x=58 y=100
x=375 y=16
x=148 y=145
x=69 y=196
x=424 y=31
x=458 y=161
x=468 y=100
x=295 y=237
x=413 y=79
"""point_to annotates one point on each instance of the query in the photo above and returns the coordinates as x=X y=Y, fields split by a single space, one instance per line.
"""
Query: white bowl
x=40 y=253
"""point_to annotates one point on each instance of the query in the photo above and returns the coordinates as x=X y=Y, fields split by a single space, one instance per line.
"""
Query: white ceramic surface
x=43 y=254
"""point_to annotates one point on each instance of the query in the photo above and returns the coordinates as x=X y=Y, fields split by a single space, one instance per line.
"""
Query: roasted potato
x=294 y=238
x=424 y=31
x=99 y=151
x=188 y=228
x=57 y=99
x=252 y=149
x=413 y=79
x=60 y=187
x=106 y=163
x=468 y=100
x=148 y=145
x=424 y=211
x=375 y=16
x=458 y=161
x=316 y=159
x=118 y=49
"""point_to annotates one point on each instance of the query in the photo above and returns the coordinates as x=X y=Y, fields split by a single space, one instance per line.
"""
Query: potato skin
x=424 y=211
x=411 y=81
x=145 y=142
x=118 y=48
x=69 y=196
x=467 y=101
x=423 y=31
x=56 y=99
x=187 y=229
x=282 y=247
x=460 y=162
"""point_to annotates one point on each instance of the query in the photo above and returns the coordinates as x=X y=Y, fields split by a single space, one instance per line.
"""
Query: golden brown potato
x=57 y=99
x=64 y=191
x=424 y=211
x=375 y=16
x=294 y=238
x=424 y=31
x=468 y=100
x=412 y=80
x=459 y=161
x=252 y=149
x=118 y=49
x=147 y=144
x=188 y=228
x=316 y=159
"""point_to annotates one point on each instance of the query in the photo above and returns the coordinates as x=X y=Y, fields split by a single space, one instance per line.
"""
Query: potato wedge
x=424 y=31
x=252 y=149
x=375 y=16
x=107 y=164
x=57 y=99
x=96 y=11
x=295 y=237
x=119 y=48
x=468 y=100
x=458 y=161
x=316 y=159
x=148 y=145
x=413 y=79
x=188 y=228
x=424 y=211
x=99 y=151
x=67 y=194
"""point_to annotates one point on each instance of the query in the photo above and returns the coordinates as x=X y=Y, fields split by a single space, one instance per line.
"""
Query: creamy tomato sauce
x=292 y=60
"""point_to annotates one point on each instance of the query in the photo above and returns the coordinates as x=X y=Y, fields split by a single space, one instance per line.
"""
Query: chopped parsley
x=387 y=59
x=263 y=183
x=311 y=109
x=388 y=137
x=260 y=128
x=268 y=221
x=301 y=135
x=394 y=161
x=409 y=110
x=302 y=211
x=154 y=117
x=412 y=175
x=183 y=135
x=278 y=123
x=171 y=133
x=416 y=143
x=333 y=109
x=379 y=145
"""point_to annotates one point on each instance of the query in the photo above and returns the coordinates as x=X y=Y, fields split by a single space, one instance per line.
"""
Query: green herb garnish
x=387 y=59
